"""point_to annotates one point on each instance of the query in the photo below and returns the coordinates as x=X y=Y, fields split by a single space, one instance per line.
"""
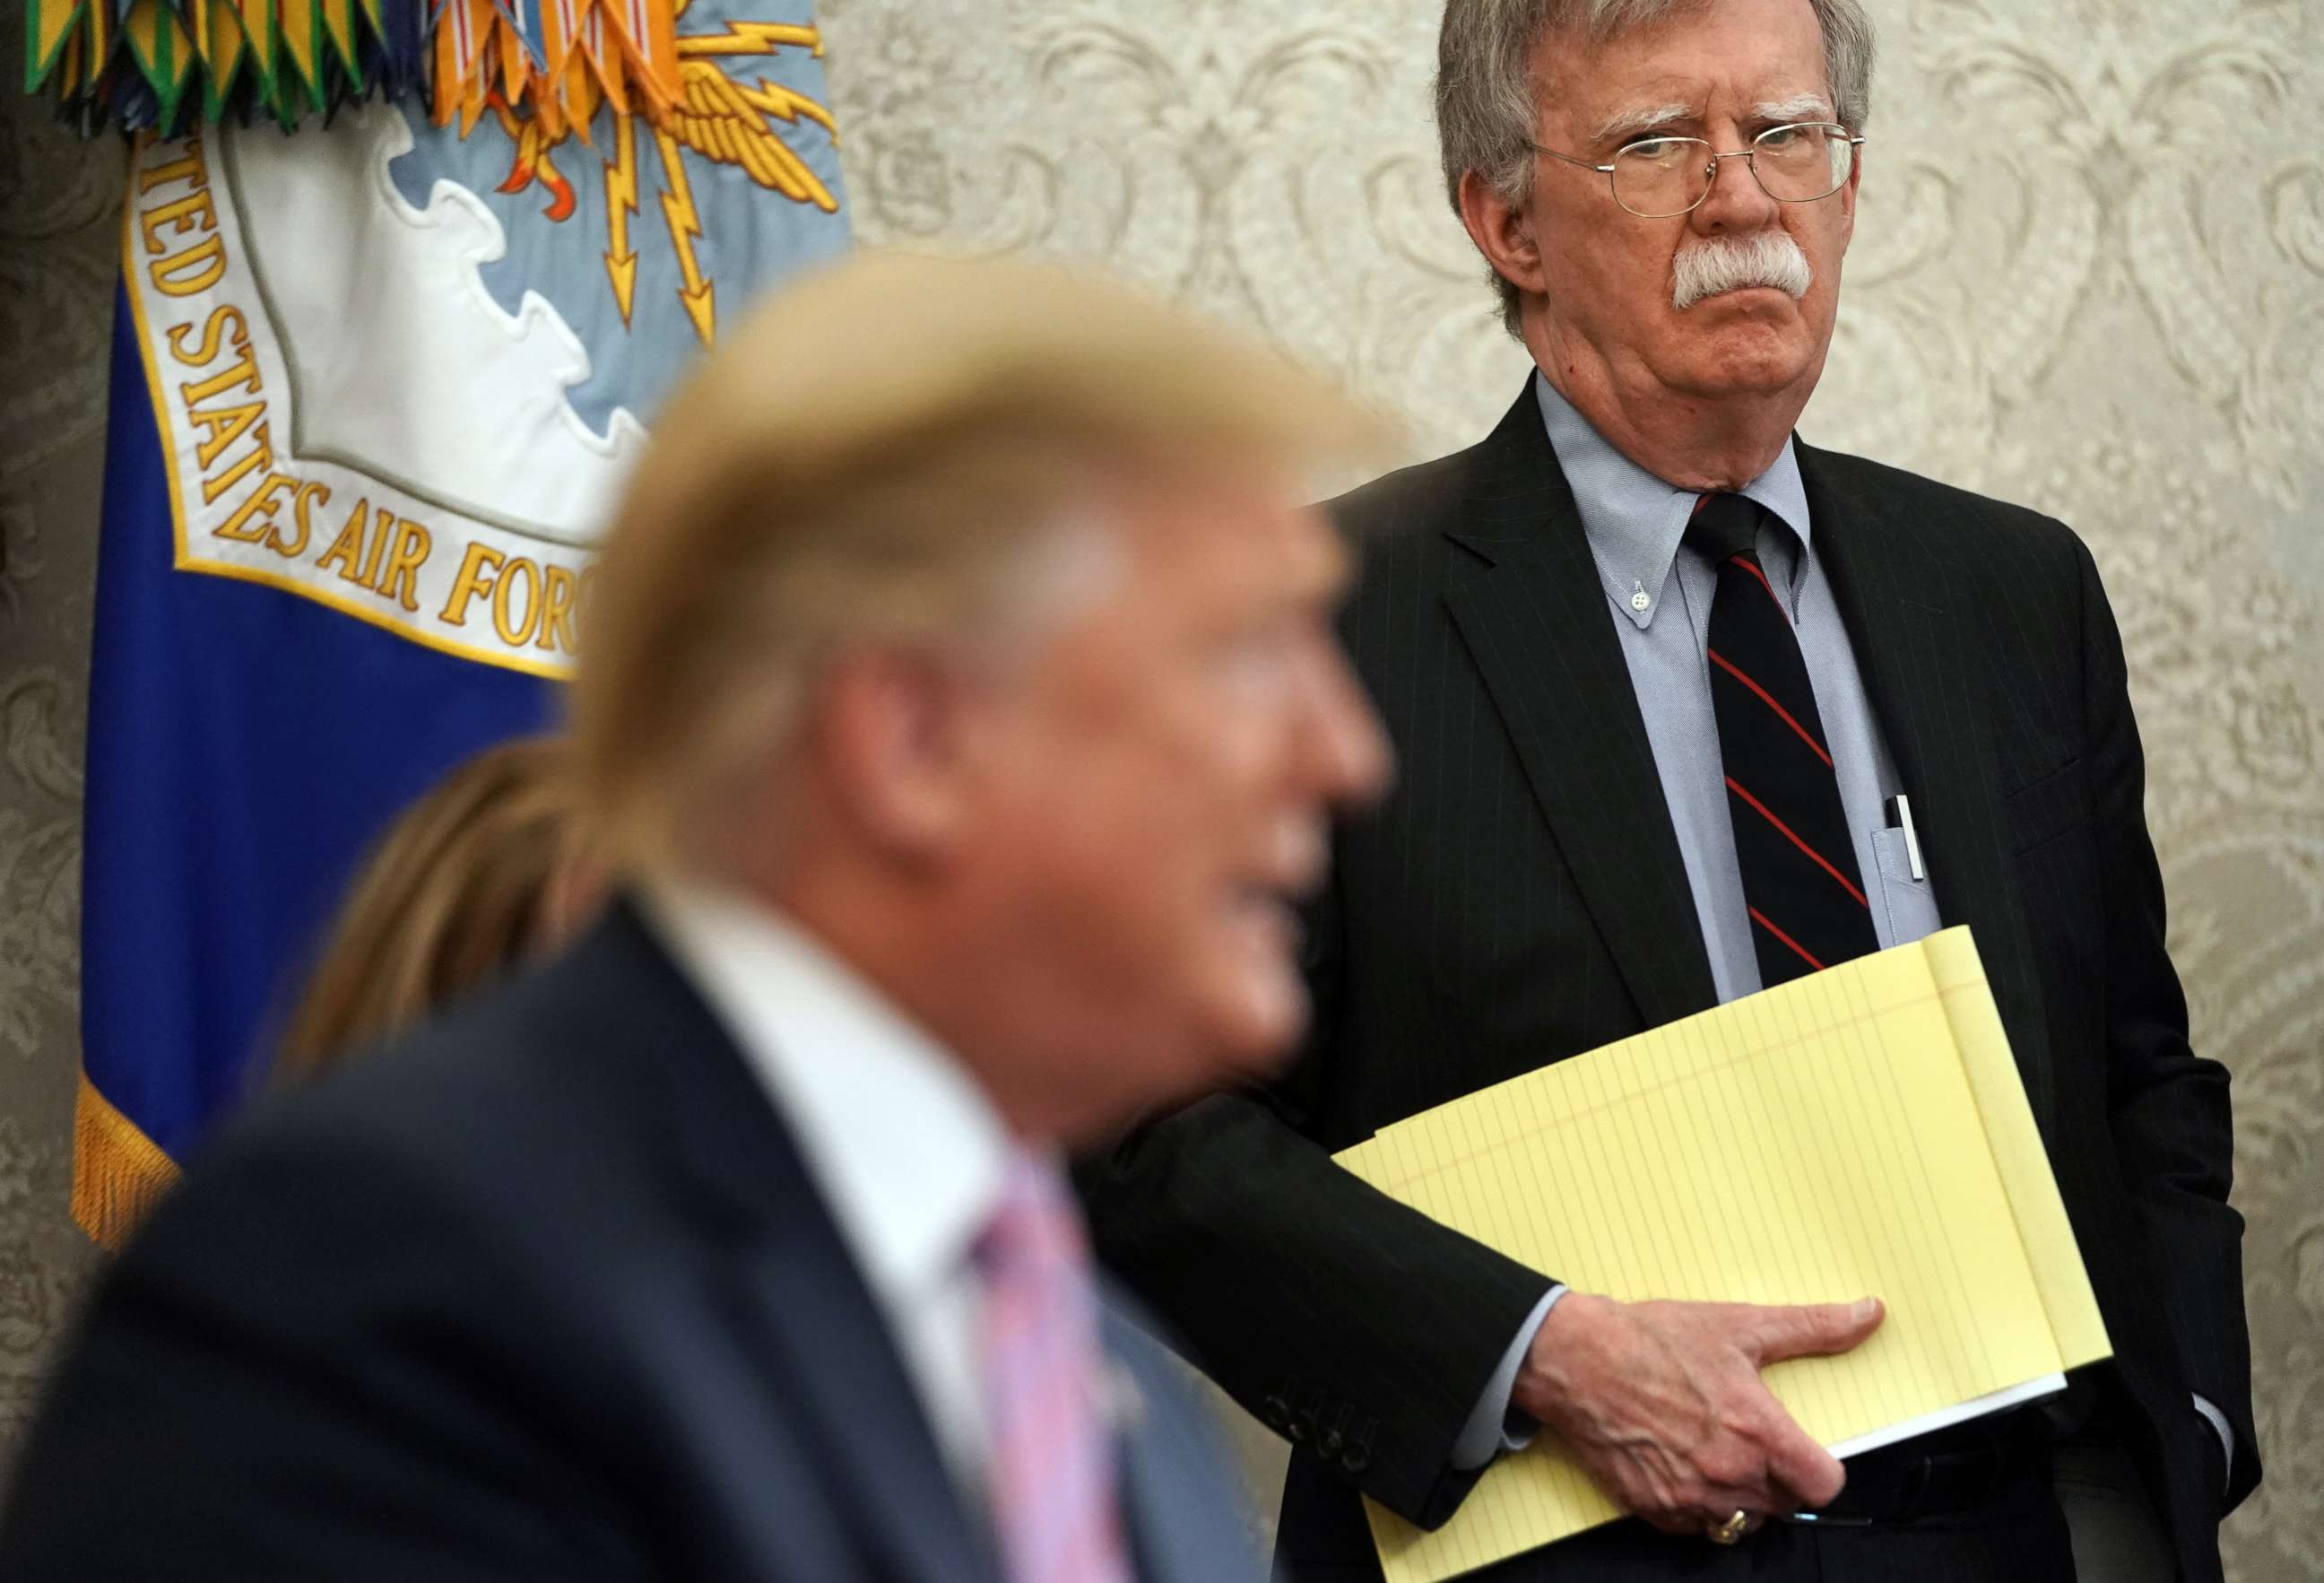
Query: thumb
x=1816 y=1329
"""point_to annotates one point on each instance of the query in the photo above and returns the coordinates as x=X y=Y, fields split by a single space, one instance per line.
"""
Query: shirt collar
x=1634 y=521
x=908 y=1151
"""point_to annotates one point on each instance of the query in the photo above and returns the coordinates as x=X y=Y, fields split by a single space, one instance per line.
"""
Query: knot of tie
x=1724 y=526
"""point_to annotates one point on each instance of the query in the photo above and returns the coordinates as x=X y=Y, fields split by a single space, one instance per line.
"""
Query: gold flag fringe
x=119 y=1173
x=166 y=65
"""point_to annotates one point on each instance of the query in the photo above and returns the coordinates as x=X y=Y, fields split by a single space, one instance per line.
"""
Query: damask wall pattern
x=2088 y=274
x=60 y=209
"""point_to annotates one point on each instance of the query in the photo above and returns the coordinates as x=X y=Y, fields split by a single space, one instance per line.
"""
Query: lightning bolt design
x=728 y=121
x=752 y=38
x=677 y=213
x=787 y=106
x=620 y=203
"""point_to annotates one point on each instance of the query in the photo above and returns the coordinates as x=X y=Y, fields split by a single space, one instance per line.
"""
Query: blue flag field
x=376 y=387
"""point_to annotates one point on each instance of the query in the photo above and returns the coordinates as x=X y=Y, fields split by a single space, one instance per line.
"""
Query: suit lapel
x=1525 y=596
x=1185 y=1521
x=1895 y=579
x=831 y=1356
x=832 y=1352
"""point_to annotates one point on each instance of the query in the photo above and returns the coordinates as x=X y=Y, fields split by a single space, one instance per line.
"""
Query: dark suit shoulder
x=1976 y=529
x=468 y=1180
x=500 y=1180
x=1425 y=495
x=1398 y=524
x=443 y=1302
x=507 y=1117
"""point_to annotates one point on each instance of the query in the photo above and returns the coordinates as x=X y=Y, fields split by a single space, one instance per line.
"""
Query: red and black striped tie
x=1800 y=879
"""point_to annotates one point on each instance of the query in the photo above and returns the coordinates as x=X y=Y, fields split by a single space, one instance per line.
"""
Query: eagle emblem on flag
x=392 y=378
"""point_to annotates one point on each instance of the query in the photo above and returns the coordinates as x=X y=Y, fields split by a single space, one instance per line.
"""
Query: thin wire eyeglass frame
x=1710 y=170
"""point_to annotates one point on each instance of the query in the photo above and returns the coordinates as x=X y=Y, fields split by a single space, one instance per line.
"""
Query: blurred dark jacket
x=543 y=1291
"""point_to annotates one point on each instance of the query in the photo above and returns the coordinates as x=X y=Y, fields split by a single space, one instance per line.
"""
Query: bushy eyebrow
x=1628 y=123
x=1798 y=107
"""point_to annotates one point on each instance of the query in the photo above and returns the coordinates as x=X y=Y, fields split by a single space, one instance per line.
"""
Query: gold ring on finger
x=1732 y=1531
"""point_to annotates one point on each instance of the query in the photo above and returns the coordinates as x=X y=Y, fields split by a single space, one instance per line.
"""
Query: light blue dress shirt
x=1658 y=594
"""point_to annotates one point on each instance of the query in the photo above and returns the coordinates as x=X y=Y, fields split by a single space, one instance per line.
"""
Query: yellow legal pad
x=1862 y=1130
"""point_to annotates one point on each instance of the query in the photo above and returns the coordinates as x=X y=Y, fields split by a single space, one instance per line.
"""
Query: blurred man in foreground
x=962 y=715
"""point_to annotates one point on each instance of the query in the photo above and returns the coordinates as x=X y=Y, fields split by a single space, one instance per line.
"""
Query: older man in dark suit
x=961 y=717
x=1686 y=708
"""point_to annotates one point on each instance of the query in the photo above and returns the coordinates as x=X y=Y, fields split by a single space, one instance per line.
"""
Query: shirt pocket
x=1910 y=905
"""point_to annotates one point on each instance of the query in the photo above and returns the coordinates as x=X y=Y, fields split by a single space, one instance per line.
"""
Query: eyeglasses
x=1657 y=178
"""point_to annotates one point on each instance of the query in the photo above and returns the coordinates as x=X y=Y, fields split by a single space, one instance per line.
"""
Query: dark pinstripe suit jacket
x=1520 y=898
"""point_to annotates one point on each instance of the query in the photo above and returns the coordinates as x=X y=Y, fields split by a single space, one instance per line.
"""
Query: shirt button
x=1642 y=601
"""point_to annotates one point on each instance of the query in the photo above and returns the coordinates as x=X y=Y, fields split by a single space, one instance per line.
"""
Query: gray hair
x=1486 y=112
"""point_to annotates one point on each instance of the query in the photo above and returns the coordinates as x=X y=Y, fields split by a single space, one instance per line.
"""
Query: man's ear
x=1504 y=235
x=892 y=732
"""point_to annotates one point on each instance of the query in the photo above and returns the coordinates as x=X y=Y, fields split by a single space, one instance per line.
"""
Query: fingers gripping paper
x=1860 y=1130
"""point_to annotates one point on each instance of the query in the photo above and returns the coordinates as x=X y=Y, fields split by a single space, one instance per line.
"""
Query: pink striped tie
x=1054 y=1501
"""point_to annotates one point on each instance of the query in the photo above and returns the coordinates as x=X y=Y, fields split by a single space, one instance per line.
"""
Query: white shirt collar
x=908 y=1151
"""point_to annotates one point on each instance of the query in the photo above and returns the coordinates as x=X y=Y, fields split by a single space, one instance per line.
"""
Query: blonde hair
x=869 y=459
x=462 y=887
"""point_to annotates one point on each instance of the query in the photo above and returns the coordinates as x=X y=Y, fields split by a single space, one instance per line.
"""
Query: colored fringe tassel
x=163 y=66
x=118 y=1172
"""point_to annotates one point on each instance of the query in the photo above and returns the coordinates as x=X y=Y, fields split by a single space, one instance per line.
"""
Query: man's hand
x=1662 y=1402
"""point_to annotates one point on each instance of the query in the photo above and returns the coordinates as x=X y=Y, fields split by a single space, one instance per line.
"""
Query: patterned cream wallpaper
x=2088 y=275
x=60 y=207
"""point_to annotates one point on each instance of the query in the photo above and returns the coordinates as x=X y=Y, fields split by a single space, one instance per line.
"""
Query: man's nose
x=1735 y=203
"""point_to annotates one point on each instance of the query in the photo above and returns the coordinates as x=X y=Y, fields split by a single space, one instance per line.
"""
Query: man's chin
x=1732 y=354
x=1265 y=1020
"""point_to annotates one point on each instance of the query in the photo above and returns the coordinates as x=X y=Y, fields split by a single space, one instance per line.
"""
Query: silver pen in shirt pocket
x=1899 y=811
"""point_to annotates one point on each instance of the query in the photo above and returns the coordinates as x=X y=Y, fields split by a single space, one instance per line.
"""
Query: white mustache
x=1730 y=264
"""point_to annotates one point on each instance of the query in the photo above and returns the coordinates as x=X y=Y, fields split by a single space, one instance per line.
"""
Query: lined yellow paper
x=1862 y=1130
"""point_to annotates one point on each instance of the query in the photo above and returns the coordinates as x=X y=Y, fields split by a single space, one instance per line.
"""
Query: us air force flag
x=374 y=387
